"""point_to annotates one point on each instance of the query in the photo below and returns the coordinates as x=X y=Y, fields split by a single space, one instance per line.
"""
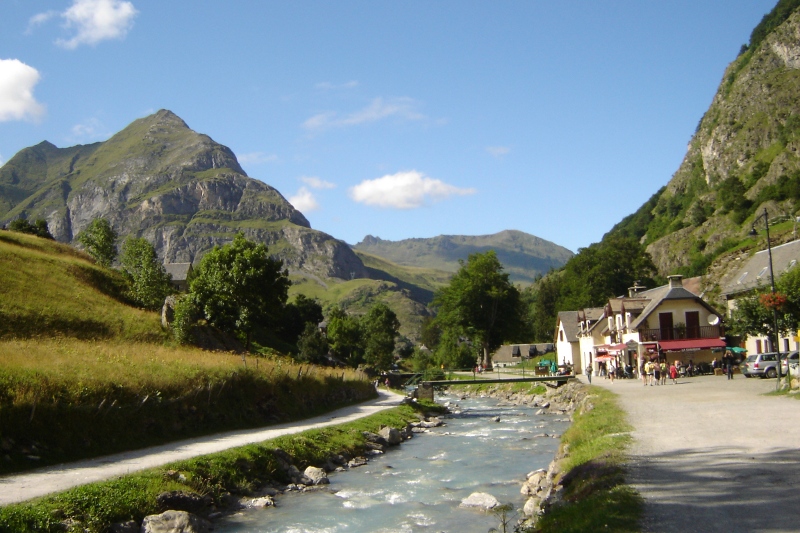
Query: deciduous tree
x=481 y=303
x=148 y=280
x=100 y=241
x=238 y=287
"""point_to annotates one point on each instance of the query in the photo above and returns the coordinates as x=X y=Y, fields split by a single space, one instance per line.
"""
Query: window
x=561 y=335
x=785 y=345
x=758 y=345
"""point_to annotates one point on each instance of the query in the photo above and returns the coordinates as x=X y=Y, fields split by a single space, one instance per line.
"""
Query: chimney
x=633 y=291
x=675 y=281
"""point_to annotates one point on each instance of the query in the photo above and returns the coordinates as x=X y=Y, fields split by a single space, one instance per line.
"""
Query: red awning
x=617 y=348
x=691 y=344
x=604 y=358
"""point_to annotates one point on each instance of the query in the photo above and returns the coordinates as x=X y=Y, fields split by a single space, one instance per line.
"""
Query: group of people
x=656 y=372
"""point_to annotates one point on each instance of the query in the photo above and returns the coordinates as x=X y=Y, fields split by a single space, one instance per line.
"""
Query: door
x=692 y=324
x=665 y=325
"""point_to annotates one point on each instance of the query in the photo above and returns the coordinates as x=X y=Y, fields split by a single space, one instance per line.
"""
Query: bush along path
x=188 y=495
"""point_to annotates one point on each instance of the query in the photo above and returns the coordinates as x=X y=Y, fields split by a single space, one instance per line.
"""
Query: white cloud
x=304 y=200
x=89 y=130
x=498 y=151
x=328 y=86
x=378 y=109
x=39 y=19
x=256 y=158
x=316 y=183
x=17 y=81
x=404 y=190
x=95 y=21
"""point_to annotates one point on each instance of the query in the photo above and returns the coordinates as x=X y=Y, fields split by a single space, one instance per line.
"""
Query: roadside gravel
x=713 y=455
x=21 y=487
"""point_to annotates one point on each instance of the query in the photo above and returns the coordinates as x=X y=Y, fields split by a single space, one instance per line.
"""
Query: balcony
x=671 y=334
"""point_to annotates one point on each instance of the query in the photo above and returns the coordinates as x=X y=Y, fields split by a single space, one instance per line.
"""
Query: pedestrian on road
x=612 y=372
x=663 y=372
x=589 y=374
x=643 y=373
x=673 y=373
x=729 y=365
x=656 y=374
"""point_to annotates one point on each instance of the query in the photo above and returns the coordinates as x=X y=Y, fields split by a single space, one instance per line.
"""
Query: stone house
x=180 y=273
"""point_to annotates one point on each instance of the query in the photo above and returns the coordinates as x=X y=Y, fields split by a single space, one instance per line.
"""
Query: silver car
x=762 y=365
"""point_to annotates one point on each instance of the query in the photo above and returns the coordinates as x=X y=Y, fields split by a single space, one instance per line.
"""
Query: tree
x=480 y=303
x=379 y=327
x=752 y=318
x=148 y=280
x=100 y=241
x=344 y=336
x=296 y=315
x=312 y=345
x=238 y=287
x=38 y=228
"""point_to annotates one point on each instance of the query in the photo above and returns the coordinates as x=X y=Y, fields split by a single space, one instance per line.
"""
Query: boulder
x=183 y=501
x=316 y=475
x=531 y=507
x=175 y=522
x=481 y=500
x=391 y=435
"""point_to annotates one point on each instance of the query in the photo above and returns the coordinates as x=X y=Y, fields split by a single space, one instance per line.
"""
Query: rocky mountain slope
x=177 y=188
x=523 y=255
x=742 y=158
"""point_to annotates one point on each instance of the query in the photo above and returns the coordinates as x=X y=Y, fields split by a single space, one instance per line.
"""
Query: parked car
x=789 y=362
x=762 y=365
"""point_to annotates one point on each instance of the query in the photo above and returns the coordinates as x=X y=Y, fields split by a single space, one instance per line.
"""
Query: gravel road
x=21 y=487
x=713 y=455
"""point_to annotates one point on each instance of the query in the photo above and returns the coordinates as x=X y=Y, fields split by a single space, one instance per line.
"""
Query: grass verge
x=239 y=471
x=595 y=496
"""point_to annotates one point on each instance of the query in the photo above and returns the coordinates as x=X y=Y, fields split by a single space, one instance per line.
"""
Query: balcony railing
x=670 y=334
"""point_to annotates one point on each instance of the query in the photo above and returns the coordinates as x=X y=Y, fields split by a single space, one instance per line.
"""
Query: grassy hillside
x=357 y=296
x=49 y=289
x=84 y=374
x=523 y=256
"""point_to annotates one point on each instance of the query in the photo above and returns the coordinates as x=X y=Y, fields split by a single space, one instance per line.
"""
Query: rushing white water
x=419 y=485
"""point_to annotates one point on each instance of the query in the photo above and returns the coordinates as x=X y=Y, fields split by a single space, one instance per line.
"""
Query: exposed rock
x=258 y=503
x=481 y=500
x=316 y=475
x=131 y=526
x=175 y=522
x=183 y=501
x=391 y=435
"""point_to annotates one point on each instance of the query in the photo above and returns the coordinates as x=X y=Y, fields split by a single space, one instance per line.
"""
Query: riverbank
x=212 y=484
x=584 y=488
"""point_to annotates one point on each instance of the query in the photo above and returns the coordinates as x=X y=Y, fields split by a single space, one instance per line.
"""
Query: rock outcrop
x=179 y=189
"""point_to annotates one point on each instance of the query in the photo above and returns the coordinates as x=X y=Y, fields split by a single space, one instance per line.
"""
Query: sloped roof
x=178 y=271
x=754 y=272
x=572 y=326
x=668 y=292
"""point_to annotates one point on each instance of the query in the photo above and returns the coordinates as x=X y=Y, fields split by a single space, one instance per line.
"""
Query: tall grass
x=64 y=399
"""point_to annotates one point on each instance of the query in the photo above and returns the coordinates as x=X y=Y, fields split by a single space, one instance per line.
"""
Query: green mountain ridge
x=742 y=159
x=523 y=256
x=160 y=180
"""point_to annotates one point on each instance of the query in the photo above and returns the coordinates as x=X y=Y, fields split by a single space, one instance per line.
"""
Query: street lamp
x=753 y=233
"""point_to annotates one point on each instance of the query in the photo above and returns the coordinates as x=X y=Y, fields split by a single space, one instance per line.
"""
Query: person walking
x=728 y=359
x=612 y=371
x=656 y=373
x=663 y=366
x=673 y=373
x=589 y=374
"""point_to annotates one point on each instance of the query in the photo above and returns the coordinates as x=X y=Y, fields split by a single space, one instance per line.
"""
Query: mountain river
x=418 y=486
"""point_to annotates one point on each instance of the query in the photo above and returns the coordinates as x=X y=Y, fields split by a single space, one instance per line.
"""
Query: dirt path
x=714 y=455
x=21 y=487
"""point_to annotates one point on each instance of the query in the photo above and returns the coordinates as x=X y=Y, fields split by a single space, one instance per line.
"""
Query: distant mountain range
x=523 y=256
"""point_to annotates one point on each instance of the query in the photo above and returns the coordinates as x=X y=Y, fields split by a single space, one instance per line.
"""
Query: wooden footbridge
x=426 y=382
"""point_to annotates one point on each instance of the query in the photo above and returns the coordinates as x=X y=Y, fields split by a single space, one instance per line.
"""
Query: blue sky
x=396 y=119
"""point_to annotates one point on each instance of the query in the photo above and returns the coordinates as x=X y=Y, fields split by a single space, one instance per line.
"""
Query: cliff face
x=742 y=158
x=180 y=190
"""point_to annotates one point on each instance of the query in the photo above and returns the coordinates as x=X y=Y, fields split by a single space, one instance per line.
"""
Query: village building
x=512 y=354
x=567 y=342
x=666 y=323
x=754 y=276
x=180 y=273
